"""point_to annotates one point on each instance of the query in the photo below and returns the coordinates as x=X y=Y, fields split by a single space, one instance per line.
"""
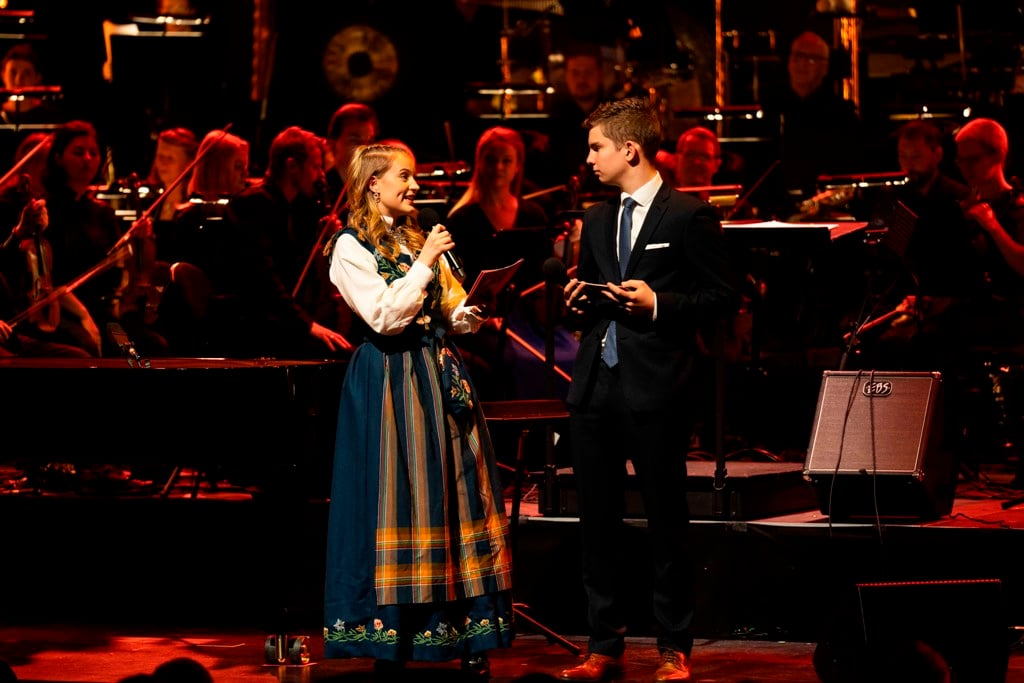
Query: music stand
x=528 y=414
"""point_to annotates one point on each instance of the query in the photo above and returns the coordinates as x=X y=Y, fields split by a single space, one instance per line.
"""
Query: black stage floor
x=213 y=575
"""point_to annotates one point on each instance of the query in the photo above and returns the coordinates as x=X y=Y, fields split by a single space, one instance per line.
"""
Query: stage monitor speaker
x=876 y=446
x=963 y=621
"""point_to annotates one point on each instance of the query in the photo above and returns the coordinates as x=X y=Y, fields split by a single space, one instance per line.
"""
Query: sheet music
x=835 y=230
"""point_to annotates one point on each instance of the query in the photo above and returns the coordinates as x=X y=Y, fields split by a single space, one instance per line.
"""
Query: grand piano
x=270 y=423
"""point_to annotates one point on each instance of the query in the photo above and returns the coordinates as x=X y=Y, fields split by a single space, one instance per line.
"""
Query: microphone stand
x=124 y=343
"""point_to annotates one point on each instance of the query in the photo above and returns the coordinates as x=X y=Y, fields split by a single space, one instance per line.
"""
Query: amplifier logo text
x=877 y=388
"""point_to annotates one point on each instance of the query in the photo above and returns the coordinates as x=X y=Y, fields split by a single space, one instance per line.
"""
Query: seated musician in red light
x=64 y=327
x=698 y=158
x=352 y=124
x=964 y=261
x=494 y=224
x=939 y=268
x=995 y=205
x=276 y=226
x=966 y=251
x=21 y=69
x=697 y=168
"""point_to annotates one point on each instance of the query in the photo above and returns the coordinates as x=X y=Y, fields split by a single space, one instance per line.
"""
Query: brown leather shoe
x=674 y=666
x=595 y=667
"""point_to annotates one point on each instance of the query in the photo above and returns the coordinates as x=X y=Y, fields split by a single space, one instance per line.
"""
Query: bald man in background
x=820 y=132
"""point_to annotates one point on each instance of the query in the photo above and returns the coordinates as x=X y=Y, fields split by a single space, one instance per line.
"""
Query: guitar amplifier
x=876 y=446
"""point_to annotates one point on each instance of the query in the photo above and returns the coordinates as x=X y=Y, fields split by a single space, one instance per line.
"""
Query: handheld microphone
x=428 y=218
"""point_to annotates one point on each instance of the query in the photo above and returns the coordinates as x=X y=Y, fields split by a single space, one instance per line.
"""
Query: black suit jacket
x=680 y=252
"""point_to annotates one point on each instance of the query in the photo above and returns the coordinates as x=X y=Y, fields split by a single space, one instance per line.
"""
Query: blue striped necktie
x=610 y=353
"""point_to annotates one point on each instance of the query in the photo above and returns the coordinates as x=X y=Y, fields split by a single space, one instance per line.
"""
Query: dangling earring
x=376 y=197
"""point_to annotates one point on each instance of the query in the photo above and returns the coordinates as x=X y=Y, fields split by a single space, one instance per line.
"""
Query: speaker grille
x=875 y=448
x=873 y=422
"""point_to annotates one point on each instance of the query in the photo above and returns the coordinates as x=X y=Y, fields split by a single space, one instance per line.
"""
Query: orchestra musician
x=28 y=102
x=959 y=274
x=154 y=201
x=995 y=205
x=936 y=269
x=21 y=70
x=276 y=225
x=494 y=225
x=198 y=245
x=85 y=233
x=63 y=327
x=820 y=132
x=698 y=158
x=566 y=142
x=196 y=234
x=175 y=149
x=352 y=124
x=966 y=249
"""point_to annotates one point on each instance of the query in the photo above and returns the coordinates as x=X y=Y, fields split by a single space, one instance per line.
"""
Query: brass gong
x=360 y=63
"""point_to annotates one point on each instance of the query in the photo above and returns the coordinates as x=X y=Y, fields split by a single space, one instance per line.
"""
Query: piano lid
x=254 y=412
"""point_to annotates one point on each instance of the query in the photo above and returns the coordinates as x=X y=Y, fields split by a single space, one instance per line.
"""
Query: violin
x=137 y=290
x=36 y=251
x=39 y=259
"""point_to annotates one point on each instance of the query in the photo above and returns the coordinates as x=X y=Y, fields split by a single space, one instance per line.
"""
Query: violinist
x=995 y=206
x=157 y=197
x=938 y=270
x=961 y=292
x=62 y=327
x=276 y=225
x=200 y=236
x=196 y=233
x=175 y=150
x=353 y=124
x=14 y=343
x=84 y=232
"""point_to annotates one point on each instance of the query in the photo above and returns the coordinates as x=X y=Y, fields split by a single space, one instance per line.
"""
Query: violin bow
x=339 y=204
x=129 y=233
x=24 y=160
x=115 y=251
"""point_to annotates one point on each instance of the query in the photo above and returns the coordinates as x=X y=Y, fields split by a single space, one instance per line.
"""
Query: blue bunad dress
x=418 y=560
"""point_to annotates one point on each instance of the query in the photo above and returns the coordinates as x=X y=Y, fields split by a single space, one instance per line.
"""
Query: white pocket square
x=658 y=245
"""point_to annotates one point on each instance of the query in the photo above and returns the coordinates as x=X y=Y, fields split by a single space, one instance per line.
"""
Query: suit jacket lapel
x=651 y=220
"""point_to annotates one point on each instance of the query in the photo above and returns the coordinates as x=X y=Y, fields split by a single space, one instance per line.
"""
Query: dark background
x=447 y=49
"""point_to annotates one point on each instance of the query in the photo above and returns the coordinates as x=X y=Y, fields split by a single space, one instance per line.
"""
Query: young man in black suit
x=653 y=271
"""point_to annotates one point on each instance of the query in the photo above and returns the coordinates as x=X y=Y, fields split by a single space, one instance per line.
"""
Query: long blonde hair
x=214 y=175
x=498 y=135
x=364 y=216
